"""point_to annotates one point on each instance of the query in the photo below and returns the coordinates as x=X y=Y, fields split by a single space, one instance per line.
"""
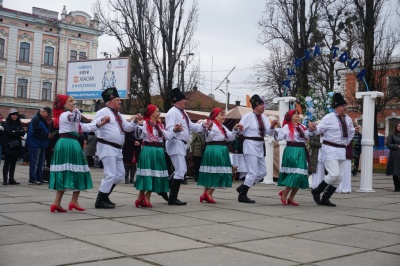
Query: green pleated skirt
x=68 y=168
x=152 y=171
x=294 y=171
x=216 y=168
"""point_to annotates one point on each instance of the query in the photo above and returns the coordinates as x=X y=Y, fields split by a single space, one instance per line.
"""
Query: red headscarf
x=288 y=121
x=58 y=108
x=150 y=109
x=214 y=113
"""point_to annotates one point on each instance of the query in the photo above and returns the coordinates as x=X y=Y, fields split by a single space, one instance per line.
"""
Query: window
x=46 y=91
x=82 y=56
x=73 y=55
x=48 y=55
x=393 y=87
x=2 y=46
x=24 y=48
x=22 y=88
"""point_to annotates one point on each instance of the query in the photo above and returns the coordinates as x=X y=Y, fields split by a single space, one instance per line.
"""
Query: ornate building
x=34 y=51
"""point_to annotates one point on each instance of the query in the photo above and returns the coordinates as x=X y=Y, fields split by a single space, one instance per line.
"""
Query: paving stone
x=353 y=237
x=141 y=243
x=364 y=259
x=214 y=256
x=52 y=252
x=296 y=250
x=15 y=234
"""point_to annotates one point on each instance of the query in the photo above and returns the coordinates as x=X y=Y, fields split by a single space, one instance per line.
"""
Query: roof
x=239 y=111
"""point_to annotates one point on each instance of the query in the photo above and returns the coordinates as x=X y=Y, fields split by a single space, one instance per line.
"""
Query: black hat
x=177 y=95
x=255 y=101
x=338 y=100
x=109 y=94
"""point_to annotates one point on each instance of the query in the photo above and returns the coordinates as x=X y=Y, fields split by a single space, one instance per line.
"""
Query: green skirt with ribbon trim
x=68 y=168
x=152 y=171
x=294 y=171
x=216 y=168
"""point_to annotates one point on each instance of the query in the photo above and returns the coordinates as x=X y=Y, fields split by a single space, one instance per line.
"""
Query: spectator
x=356 y=149
x=90 y=149
x=393 y=166
x=13 y=132
x=37 y=141
x=1 y=137
x=197 y=146
x=130 y=153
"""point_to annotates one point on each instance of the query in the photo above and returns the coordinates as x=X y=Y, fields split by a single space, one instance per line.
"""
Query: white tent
x=239 y=111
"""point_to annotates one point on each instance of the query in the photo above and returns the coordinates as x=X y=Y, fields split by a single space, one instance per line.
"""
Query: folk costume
x=176 y=147
x=256 y=127
x=338 y=133
x=110 y=139
x=68 y=168
x=294 y=168
x=152 y=171
x=216 y=168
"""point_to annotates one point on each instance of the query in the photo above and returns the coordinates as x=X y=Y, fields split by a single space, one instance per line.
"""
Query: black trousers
x=9 y=166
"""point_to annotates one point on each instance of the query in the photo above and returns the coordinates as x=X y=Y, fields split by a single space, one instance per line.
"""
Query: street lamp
x=181 y=67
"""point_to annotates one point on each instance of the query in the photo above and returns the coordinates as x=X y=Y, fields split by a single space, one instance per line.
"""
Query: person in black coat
x=1 y=138
x=393 y=166
x=13 y=132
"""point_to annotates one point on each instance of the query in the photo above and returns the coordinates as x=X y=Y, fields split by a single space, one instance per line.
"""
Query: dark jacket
x=129 y=150
x=198 y=144
x=315 y=145
x=357 y=144
x=38 y=133
x=393 y=166
x=13 y=131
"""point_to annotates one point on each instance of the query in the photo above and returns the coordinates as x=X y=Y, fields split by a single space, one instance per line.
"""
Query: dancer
x=152 y=172
x=294 y=169
x=216 y=168
x=68 y=168
x=338 y=132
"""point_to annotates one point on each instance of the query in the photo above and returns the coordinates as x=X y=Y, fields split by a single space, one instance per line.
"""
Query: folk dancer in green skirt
x=152 y=172
x=68 y=169
x=216 y=168
x=294 y=168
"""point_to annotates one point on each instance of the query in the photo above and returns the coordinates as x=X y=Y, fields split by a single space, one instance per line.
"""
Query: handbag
x=13 y=144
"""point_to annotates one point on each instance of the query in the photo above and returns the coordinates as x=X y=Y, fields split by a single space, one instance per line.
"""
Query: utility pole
x=183 y=76
x=226 y=93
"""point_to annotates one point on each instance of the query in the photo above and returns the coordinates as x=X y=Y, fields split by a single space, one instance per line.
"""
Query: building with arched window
x=34 y=51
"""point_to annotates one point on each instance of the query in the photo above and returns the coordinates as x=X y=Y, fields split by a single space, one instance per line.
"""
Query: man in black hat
x=256 y=127
x=338 y=130
x=176 y=148
x=110 y=139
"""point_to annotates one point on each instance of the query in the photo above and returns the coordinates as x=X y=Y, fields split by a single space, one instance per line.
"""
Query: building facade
x=34 y=51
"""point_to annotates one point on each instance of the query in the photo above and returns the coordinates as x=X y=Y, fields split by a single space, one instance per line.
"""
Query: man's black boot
x=243 y=195
x=101 y=203
x=316 y=192
x=327 y=195
x=173 y=194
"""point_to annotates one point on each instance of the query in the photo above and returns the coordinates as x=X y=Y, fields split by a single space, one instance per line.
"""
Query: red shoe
x=138 y=202
x=54 y=208
x=282 y=200
x=72 y=206
x=292 y=202
x=207 y=198
x=144 y=202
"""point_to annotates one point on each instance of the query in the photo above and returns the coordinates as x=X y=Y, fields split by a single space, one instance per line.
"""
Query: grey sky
x=226 y=32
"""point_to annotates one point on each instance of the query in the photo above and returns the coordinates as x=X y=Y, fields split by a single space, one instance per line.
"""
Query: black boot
x=164 y=195
x=173 y=194
x=184 y=181
x=239 y=188
x=13 y=182
x=396 y=183
x=316 y=192
x=243 y=189
x=327 y=195
x=108 y=194
x=5 y=181
x=101 y=203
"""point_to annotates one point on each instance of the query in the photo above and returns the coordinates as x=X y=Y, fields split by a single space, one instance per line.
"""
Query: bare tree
x=292 y=24
x=171 y=39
